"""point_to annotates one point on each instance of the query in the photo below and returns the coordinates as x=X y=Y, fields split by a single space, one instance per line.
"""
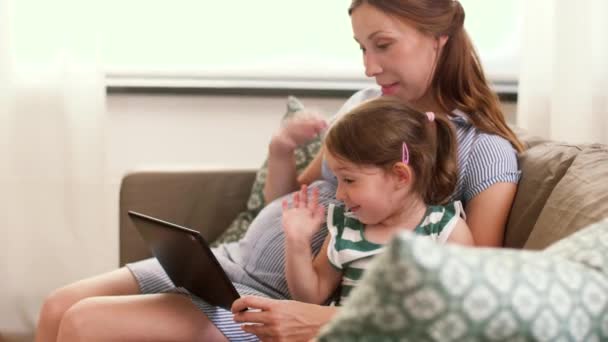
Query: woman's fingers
x=301 y=130
x=254 y=302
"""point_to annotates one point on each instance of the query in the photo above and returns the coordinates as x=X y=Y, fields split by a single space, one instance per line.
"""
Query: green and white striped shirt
x=350 y=252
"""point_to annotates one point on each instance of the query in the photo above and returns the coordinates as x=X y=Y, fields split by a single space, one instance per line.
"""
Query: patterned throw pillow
x=588 y=246
x=303 y=155
x=421 y=291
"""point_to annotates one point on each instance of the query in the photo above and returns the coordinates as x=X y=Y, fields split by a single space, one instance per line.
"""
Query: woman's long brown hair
x=459 y=81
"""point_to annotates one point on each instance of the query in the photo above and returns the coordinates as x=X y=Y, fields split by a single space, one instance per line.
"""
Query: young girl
x=391 y=182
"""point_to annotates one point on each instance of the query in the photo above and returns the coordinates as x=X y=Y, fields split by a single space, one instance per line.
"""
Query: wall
x=195 y=131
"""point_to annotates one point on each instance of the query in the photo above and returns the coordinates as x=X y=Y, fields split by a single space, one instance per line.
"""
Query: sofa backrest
x=563 y=188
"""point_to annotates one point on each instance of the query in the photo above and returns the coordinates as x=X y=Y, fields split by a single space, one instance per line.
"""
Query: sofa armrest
x=206 y=201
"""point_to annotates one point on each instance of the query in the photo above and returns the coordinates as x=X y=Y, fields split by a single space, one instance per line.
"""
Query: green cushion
x=303 y=155
x=422 y=291
x=588 y=246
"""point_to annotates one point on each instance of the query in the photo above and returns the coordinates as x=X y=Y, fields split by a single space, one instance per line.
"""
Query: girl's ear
x=403 y=173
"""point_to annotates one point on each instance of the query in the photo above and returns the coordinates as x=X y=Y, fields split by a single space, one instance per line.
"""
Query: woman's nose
x=372 y=68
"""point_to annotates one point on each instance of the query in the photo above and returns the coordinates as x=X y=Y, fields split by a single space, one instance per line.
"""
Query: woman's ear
x=441 y=41
x=403 y=173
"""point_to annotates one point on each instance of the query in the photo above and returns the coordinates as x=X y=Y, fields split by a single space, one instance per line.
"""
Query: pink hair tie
x=430 y=116
x=405 y=154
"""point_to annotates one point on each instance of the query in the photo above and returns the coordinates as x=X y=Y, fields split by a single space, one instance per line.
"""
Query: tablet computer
x=187 y=259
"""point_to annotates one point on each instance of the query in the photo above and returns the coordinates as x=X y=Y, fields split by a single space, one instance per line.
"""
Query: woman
x=417 y=51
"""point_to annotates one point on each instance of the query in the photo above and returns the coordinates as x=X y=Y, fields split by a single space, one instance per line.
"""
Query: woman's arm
x=461 y=234
x=281 y=177
x=313 y=171
x=487 y=214
x=281 y=320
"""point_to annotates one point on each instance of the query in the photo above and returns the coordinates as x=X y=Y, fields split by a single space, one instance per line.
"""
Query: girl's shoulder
x=440 y=220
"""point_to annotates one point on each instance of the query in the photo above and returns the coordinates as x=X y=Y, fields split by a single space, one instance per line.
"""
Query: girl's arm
x=487 y=214
x=311 y=281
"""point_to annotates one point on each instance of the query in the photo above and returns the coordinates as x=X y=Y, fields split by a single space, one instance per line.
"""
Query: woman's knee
x=57 y=303
x=76 y=322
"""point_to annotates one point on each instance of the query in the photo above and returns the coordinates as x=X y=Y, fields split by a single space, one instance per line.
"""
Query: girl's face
x=369 y=192
x=395 y=53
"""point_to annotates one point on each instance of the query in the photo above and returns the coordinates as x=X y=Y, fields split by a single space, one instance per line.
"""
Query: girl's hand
x=305 y=218
x=297 y=131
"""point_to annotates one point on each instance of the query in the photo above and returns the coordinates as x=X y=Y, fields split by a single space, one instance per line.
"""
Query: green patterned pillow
x=422 y=291
x=303 y=154
x=588 y=246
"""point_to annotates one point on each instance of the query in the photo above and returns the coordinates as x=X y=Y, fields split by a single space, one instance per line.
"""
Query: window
x=279 y=43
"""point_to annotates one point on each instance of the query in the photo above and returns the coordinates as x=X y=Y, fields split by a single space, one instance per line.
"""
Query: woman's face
x=395 y=53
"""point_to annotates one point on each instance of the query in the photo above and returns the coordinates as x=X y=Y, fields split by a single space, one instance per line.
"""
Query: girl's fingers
x=314 y=199
x=296 y=200
x=303 y=196
x=285 y=204
x=320 y=211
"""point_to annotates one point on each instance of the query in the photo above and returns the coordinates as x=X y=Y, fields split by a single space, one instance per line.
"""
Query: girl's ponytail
x=445 y=167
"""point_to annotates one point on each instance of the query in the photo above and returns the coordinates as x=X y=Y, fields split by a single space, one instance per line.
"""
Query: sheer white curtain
x=53 y=207
x=563 y=85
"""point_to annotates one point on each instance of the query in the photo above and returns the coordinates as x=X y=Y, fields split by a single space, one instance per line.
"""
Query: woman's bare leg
x=117 y=282
x=151 y=317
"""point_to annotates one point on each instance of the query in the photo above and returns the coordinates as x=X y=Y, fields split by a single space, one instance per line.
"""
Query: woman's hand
x=297 y=131
x=305 y=218
x=281 y=320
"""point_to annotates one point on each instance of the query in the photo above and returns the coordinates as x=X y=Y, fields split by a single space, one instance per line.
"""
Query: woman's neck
x=427 y=103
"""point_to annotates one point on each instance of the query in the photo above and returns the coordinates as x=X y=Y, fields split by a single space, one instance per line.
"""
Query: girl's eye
x=348 y=180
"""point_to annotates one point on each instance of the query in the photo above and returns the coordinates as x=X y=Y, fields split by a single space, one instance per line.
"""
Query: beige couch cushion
x=543 y=165
x=579 y=198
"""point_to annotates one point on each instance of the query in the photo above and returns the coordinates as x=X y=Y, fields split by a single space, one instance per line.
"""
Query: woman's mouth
x=390 y=89
x=354 y=209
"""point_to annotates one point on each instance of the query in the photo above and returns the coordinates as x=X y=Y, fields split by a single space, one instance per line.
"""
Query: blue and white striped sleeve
x=492 y=160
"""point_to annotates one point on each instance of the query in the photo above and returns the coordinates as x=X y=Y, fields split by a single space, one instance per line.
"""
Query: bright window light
x=272 y=43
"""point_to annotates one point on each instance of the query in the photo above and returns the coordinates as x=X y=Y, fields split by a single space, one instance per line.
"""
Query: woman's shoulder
x=472 y=139
x=358 y=98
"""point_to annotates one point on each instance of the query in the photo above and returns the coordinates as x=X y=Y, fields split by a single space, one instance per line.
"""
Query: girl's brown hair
x=459 y=80
x=432 y=145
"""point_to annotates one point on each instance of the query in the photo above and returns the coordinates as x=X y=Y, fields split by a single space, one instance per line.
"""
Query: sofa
x=563 y=188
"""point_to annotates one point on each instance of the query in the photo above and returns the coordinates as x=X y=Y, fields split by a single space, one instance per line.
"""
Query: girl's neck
x=408 y=217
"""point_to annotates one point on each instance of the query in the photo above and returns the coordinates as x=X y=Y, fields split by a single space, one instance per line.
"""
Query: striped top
x=350 y=252
x=483 y=159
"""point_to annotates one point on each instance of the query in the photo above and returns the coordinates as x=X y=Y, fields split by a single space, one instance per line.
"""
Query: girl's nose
x=340 y=196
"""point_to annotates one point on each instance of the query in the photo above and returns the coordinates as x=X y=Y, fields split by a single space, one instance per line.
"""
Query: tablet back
x=187 y=259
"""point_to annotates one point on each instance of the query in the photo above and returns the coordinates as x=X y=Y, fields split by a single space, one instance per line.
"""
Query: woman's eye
x=347 y=180
x=382 y=46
